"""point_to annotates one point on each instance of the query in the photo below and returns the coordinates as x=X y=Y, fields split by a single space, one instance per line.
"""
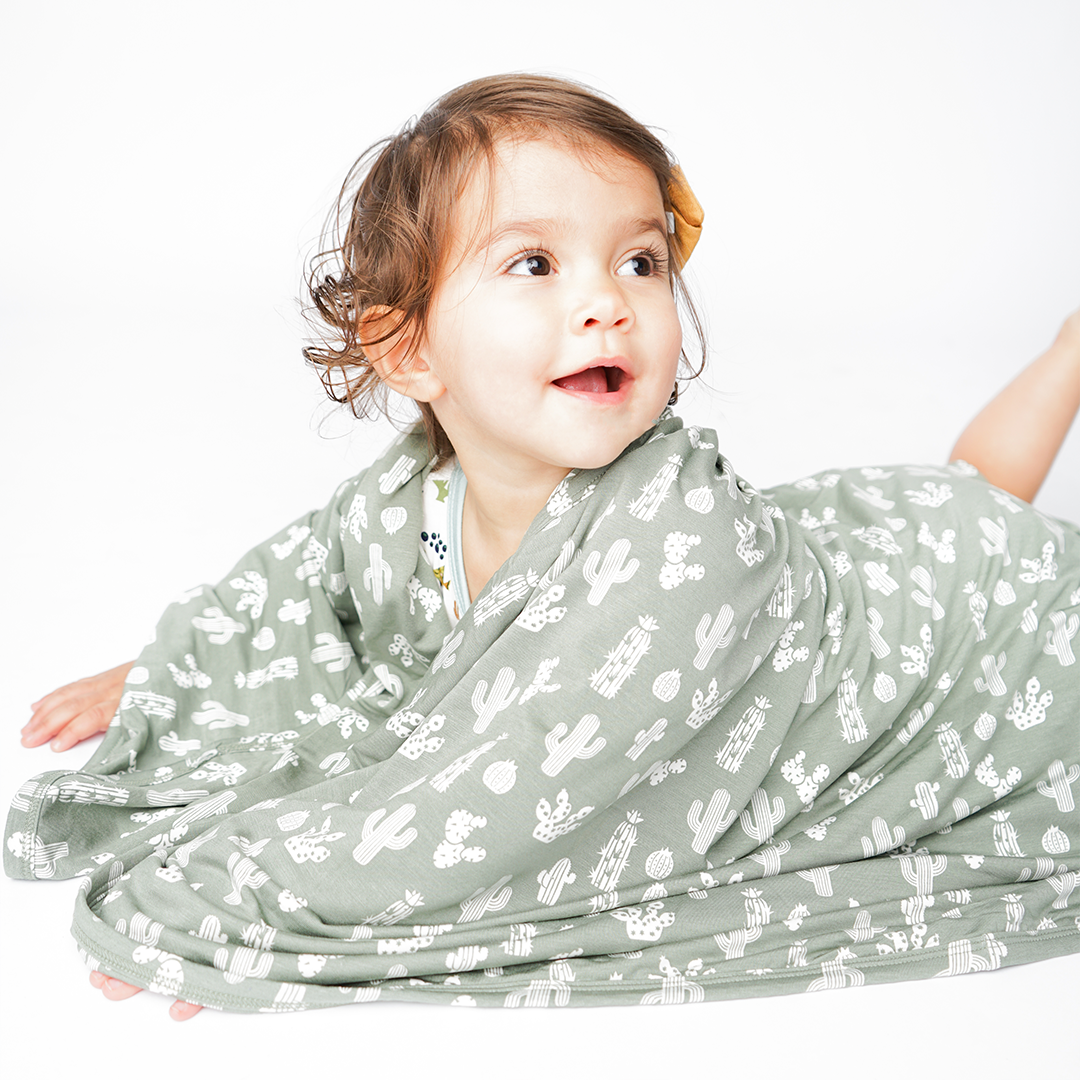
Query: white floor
x=892 y=232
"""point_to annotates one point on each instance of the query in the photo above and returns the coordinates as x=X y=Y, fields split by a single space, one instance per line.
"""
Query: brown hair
x=390 y=228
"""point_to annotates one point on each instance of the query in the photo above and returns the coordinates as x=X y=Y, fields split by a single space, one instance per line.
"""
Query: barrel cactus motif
x=1054 y=841
x=500 y=776
x=393 y=517
x=985 y=726
x=700 y=499
x=884 y=687
x=666 y=685
x=660 y=863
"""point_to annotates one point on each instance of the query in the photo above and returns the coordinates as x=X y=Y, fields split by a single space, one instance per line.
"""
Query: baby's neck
x=495 y=517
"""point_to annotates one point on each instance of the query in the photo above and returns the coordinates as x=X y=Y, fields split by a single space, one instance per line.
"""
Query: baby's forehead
x=538 y=177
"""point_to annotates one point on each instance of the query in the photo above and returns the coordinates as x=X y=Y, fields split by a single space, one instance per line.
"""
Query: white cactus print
x=536 y=774
x=676 y=570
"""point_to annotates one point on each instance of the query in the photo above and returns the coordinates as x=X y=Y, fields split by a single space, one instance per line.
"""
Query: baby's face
x=554 y=331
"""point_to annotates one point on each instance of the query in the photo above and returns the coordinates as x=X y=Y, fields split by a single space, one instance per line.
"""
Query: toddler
x=549 y=706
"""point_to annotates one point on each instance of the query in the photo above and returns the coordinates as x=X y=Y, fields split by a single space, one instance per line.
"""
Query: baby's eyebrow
x=543 y=227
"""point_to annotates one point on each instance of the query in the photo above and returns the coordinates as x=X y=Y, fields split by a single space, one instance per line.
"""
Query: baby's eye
x=643 y=264
x=534 y=265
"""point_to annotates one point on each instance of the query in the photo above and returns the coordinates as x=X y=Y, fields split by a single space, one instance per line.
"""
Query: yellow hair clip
x=687 y=215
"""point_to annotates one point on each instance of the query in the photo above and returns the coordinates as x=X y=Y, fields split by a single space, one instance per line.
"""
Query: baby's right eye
x=533 y=264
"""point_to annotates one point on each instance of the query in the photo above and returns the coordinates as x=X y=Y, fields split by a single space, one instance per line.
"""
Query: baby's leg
x=1014 y=440
x=115 y=990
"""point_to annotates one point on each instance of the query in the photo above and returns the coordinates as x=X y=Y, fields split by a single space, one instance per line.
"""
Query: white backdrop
x=892 y=231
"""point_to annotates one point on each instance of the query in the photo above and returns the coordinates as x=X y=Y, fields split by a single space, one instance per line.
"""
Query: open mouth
x=594 y=380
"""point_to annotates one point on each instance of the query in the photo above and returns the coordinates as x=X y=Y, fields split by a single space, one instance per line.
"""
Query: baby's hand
x=76 y=711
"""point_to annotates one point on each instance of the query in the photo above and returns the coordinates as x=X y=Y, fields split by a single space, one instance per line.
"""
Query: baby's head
x=396 y=241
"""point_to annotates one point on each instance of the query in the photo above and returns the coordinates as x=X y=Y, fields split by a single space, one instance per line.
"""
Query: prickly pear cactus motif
x=535 y=774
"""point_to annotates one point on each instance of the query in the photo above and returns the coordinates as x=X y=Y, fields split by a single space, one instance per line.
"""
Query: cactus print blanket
x=692 y=741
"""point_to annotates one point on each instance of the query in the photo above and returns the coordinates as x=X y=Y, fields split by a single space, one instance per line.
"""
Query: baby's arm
x=76 y=711
x=1014 y=440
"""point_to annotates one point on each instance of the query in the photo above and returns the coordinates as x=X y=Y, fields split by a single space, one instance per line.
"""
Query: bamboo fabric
x=691 y=742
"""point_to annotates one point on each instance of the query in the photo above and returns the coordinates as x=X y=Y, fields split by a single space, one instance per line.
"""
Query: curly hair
x=390 y=230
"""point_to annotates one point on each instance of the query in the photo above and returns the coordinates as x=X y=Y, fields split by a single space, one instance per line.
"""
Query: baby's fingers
x=90 y=722
x=76 y=711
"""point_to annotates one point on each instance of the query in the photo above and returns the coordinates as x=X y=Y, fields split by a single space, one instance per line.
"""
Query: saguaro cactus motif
x=711 y=635
x=623 y=660
x=835 y=975
x=244 y=963
x=878 y=645
x=646 y=737
x=553 y=881
x=615 y=854
x=242 y=871
x=820 y=877
x=493 y=898
x=760 y=820
x=488 y=705
x=881 y=838
x=716 y=819
x=810 y=693
x=741 y=738
x=925 y=800
x=734 y=942
x=335 y=654
x=1059 y=640
x=563 y=748
x=381 y=830
x=1060 y=784
x=926 y=593
x=769 y=857
x=919 y=870
x=378 y=574
x=396 y=475
x=218 y=626
x=615 y=570
x=995 y=539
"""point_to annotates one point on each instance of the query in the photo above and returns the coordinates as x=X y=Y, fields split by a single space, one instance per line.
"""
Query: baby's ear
x=390 y=343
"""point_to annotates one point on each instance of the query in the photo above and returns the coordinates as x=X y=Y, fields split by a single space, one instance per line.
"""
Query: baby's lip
x=616 y=370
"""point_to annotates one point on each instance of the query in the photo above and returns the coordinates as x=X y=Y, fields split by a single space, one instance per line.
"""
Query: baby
x=555 y=623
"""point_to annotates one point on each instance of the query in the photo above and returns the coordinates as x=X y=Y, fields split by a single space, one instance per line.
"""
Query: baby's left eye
x=535 y=264
x=641 y=265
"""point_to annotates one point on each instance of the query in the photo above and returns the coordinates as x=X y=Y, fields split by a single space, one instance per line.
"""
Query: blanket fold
x=691 y=741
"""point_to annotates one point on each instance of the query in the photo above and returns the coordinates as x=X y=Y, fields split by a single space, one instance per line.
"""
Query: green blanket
x=691 y=742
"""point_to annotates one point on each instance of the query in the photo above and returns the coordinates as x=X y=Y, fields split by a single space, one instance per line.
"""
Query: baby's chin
x=602 y=456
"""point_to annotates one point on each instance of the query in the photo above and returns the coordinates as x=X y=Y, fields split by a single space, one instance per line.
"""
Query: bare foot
x=115 y=990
